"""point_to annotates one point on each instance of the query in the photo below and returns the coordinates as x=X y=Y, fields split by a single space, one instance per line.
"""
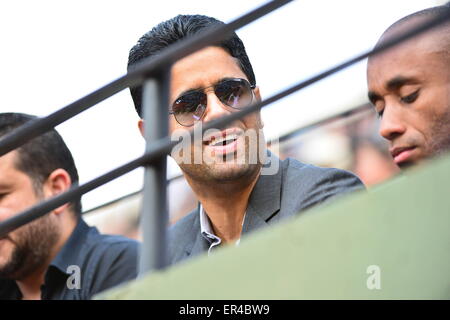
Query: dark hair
x=39 y=157
x=175 y=29
x=428 y=12
x=433 y=11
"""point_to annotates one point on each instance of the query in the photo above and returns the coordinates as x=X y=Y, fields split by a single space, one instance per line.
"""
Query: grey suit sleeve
x=331 y=183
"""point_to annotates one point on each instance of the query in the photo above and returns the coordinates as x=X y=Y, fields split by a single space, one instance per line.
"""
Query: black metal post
x=154 y=213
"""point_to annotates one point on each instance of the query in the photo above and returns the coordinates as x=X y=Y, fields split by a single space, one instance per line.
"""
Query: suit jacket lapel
x=264 y=204
x=200 y=245
x=197 y=243
x=264 y=201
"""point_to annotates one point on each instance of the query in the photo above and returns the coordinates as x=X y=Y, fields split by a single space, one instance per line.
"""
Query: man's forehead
x=8 y=160
x=199 y=55
x=204 y=67
x=422 y=51
x=8 y=164
x=433 y=39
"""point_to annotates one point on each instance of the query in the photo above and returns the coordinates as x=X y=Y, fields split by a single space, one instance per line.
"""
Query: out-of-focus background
x=54 y=52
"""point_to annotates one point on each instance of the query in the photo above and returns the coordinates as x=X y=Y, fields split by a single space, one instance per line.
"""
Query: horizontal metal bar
x=163 y=146
x=134 y=77
x=321 y=122
x=128 y=195
x=155 y=151
x=284 y=137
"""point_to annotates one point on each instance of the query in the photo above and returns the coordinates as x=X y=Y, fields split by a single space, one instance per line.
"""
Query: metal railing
x=352 y=114
x=152 y=74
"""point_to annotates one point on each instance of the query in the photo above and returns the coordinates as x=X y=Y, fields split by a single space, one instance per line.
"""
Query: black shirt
x=102 y=261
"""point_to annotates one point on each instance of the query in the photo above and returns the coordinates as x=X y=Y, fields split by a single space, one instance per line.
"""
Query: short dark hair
x=433 y=11
x=428 y=12
x=175 y=29
x=39 y=157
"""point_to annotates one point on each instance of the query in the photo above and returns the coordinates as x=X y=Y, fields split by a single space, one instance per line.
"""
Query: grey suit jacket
x=295 y=187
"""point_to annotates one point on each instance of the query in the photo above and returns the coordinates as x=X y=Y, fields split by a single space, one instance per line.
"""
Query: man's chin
x=415 y=163
x=229 y=171
x=6 y=248
x=7 y=270
x=407 y=165
x=3 y=264
x=219 y=172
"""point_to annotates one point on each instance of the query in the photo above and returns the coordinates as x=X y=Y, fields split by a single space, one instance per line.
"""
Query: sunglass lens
x=189 y=108
x=234 y=93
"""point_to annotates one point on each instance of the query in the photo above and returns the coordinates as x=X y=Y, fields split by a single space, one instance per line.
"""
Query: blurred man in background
x=235 y=195
x=57 y=256
x=409 y=85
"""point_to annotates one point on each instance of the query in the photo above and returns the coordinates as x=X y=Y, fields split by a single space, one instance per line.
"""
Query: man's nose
x=392 y=125
x=215 y=108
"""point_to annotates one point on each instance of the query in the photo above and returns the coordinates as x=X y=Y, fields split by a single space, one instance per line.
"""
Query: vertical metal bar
x=154 y=214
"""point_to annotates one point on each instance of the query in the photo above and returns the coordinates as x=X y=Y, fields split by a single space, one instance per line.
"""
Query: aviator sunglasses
x=190 y=107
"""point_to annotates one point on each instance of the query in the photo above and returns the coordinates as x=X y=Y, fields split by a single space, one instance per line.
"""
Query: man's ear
x=257 y=94
x=58 y=181
x=258 y=99
x=141 y=127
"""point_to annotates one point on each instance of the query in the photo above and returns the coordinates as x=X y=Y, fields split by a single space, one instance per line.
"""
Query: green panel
x=401 y=226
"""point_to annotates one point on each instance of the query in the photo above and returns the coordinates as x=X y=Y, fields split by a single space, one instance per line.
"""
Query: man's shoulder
x=8 y=290
x=295 y=169
x=109 y=259
x=184 y=225
x=310 y=184
x=99 y=241
x=182 y=235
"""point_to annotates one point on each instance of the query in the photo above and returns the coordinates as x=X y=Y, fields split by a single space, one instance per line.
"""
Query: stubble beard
x=440 y=143
x=227 y=169
x=33 y=245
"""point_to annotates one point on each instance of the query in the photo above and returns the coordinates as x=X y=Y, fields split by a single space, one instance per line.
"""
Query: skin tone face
x=26 y=252
x=225 y=177
x=204 y=69
x=19 y=253
x=409 y=86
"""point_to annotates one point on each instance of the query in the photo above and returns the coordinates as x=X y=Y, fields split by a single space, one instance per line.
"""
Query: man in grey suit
x=240 y=186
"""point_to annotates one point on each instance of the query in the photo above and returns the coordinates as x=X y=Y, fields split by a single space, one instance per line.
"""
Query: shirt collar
x=69 y=253
x=206 y=229
x=9 y=290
